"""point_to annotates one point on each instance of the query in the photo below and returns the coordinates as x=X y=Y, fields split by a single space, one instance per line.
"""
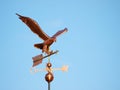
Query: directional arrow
x=38 y=59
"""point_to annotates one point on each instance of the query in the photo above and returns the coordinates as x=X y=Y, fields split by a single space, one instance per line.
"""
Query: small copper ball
x=49 y=77
x=49 y=65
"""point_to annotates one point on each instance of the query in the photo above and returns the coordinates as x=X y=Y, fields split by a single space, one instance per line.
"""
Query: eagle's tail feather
x=39 y=46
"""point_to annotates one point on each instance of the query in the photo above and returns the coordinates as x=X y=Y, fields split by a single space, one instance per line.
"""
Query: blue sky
x=91 y=47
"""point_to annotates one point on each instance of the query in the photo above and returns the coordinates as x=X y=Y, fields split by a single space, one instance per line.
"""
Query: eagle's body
x=33 y=25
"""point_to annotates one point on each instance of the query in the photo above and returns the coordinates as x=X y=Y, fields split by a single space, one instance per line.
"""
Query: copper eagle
x=47 y=40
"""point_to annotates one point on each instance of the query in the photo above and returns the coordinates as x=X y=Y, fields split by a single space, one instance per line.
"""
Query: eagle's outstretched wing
x=33 y=25
x=60 y=32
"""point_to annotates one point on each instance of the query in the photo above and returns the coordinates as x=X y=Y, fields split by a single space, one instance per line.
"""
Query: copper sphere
x=49 y=77
x=49 y=65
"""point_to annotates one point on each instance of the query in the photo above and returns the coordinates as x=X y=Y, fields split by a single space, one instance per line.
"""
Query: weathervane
x=45 y=47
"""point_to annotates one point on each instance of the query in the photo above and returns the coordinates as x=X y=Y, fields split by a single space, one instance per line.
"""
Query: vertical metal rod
x=48 y=59
x=48 y=85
